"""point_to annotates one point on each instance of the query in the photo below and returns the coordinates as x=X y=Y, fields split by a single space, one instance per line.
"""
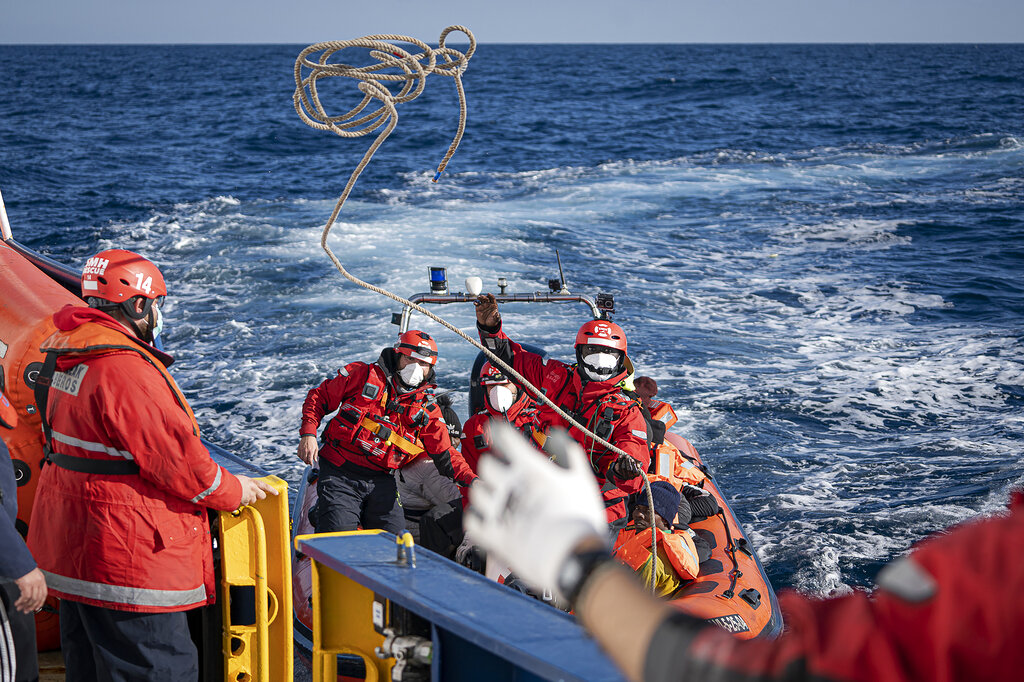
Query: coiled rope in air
x=393 y=65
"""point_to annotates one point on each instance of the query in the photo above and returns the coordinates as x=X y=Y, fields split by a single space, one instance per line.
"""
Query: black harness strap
x=565 y=385
x=42 y=395
x=87 y=465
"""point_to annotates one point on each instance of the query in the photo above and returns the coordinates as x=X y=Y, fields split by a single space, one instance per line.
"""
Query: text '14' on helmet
x=417 y=345
x=118 y=276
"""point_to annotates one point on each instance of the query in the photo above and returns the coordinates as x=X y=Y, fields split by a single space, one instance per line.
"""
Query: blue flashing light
x=438 y=280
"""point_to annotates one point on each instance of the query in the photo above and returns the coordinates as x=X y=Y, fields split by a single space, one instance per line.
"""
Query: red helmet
x=418 y=345
x=602 y=333
x=492 y=376
x=117 y=275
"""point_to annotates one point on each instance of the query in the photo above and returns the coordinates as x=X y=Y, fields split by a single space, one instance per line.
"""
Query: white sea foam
x=778 y=347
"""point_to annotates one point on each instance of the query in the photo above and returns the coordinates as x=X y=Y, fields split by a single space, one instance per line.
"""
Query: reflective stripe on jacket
x=133 y=542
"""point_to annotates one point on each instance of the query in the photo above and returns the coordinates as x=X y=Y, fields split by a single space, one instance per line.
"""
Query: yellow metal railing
x=343 y=620
x=256 y=563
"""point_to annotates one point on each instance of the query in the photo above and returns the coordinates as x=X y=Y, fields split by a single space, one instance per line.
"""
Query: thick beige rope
x=373 y=79
x=395 y=64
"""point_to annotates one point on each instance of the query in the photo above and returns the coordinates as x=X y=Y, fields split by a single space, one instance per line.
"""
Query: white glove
x=463 y=549
x=530 y=512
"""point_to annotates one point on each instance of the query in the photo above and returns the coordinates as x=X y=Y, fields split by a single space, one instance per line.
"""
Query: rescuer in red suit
x=504 y=402
x=950 y=610
x=588 y=390
x=386 y=418
x=119 y=524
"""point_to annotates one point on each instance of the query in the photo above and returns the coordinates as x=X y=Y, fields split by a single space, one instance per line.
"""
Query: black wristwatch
x=577 y=569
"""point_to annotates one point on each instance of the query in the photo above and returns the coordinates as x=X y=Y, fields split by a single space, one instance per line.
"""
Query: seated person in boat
x=503 y=401
x=645 y=389
x=431 y=503
x=677 y=559
x=590 y=391
x=386 y=416
x=432 y=506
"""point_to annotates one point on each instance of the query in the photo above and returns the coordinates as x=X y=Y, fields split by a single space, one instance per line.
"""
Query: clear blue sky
x=517 y=21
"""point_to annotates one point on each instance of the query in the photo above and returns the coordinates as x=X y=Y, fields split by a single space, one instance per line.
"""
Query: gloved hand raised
x=624 y=468
x=532 y=513
x=487 y=314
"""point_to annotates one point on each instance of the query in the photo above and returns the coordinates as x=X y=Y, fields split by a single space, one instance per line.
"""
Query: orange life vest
x=94 y=340
x=128 y=539
x=633 y=548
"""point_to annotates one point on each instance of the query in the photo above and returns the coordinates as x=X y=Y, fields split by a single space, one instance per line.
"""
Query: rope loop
x=393 y=64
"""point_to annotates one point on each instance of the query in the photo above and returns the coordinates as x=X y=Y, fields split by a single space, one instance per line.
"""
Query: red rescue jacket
x=132 y=542
x=363 y=394
x=599 y=405
x=476 y=433
x=949 y=611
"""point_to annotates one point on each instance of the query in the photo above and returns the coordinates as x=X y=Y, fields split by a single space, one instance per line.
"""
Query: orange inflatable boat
x=731 y=589
x=25 y=321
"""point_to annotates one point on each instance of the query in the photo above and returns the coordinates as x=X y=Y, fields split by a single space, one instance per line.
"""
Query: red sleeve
x=143 y=414
x=474 y=427
x=436 y=441
x=947 y=612
x=630 y=436
x=326 y=397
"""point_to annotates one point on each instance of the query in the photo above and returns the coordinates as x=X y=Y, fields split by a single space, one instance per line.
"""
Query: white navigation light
x=474 y=285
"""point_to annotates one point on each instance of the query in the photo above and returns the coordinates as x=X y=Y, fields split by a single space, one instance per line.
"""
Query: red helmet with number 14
x=117 y=275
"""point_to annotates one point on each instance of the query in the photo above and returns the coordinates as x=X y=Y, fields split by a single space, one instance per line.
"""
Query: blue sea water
x=816 y=250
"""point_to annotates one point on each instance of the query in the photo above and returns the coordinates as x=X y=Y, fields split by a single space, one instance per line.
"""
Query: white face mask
x=600 y=366
x=412 y=374
x=158 y=323
x=500 y=398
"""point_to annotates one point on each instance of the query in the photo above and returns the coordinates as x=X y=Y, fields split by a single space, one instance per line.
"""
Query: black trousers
x=350 y=496
x=18 y=660
x=441 y=528
x=117 y=646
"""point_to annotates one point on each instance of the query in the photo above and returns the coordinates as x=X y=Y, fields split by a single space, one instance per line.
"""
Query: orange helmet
x=417 y=345
x=601 y=333
x=117 y=275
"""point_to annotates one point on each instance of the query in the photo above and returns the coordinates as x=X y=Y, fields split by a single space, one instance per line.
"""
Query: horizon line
x=517 y=43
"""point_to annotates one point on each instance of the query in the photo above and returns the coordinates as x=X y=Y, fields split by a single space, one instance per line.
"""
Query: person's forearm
x=621 y=615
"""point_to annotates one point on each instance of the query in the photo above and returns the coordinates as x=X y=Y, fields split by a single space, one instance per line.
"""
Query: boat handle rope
x=314 y=63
